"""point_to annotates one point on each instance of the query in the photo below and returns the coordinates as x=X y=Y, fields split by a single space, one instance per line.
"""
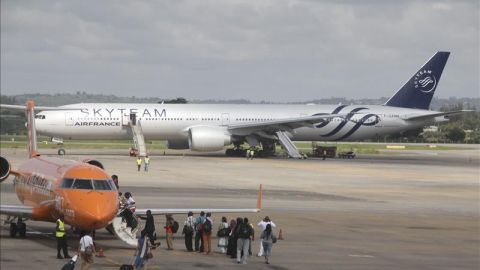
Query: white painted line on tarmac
x=360 y=256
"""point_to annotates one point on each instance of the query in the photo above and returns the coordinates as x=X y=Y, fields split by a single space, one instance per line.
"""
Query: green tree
x=455 y=133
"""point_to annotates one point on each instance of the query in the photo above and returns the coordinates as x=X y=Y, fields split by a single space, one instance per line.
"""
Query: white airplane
x=202 y=127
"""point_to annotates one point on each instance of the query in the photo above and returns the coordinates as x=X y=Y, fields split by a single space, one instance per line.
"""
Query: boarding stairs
x=123 y=232
x=138 y=138
x=288 y=145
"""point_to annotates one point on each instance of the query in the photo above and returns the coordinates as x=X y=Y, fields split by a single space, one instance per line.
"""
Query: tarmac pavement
x=410 y=210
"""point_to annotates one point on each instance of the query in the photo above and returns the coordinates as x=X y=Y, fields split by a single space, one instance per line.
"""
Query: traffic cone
x=280 y=235
x=100 y=253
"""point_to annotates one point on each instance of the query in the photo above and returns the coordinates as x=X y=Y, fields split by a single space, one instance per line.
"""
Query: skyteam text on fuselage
x=202 y=127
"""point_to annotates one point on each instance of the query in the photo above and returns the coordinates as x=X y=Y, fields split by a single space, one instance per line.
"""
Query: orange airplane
x=82 y=192
x=49 y=187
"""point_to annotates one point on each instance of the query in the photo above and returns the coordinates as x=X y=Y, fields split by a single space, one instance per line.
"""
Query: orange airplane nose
x=92 y=209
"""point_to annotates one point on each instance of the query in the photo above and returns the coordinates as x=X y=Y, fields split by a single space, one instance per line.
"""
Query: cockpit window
x=101 y=185
x=89 y=184
x=112 y=184
x=39 y=116
x=82 y=184
x=67 y=183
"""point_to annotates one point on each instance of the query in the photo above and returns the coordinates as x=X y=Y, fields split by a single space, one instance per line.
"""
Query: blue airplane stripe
x=344 y=122
x=359 y=124
x=325 y=122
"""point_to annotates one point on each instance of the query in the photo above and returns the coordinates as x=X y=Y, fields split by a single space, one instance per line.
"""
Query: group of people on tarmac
x=86 y=248
x=145 y=161
x=250 y=153
x=234 y=238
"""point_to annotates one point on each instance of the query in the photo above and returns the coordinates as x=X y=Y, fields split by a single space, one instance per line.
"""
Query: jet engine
x=205 y=138
x=4 y=169
x=94 y=163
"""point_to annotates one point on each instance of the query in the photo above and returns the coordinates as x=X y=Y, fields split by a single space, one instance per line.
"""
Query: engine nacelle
x=205 y=138
x=179 y=144
x=94 y=163
x=4 y=169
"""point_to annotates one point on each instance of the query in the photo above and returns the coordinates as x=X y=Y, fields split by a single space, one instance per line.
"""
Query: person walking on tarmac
x=61 y=236
x=150 y=227
x=146 y=160
x=139 y=163
x=169 y=231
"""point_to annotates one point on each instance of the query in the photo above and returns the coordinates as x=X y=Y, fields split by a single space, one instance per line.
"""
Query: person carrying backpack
x=86 y=249
x=188 y=229
x=198 y=232
x=244 y=233
x=222 y=234
x=207 y=234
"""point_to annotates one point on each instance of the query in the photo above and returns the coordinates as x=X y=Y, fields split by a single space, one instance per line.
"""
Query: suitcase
x=70 y=265
x=126 y=267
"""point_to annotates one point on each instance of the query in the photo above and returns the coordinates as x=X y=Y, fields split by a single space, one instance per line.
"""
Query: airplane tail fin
x=418 y=91
x=32 y=133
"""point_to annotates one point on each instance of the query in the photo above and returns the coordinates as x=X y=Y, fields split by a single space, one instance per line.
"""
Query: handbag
x=274 y=239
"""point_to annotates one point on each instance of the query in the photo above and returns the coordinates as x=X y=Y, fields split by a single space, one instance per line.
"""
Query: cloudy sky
x=272 y=50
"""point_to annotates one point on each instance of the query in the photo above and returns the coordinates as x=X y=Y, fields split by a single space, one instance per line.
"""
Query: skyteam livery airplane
x=201 y=127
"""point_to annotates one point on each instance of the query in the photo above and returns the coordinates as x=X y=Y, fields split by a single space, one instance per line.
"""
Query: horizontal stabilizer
x=426 y=116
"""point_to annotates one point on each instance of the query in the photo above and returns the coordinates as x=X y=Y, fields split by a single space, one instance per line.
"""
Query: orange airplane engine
x=82 y=192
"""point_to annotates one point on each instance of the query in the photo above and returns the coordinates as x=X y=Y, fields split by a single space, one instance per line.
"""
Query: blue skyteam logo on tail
x=425 y=81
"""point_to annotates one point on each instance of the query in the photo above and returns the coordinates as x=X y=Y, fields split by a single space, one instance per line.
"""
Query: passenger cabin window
x=39 y=116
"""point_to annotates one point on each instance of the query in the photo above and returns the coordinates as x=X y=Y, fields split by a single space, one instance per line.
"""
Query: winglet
x=259 y=198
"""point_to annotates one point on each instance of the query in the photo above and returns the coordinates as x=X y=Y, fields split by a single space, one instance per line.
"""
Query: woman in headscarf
x=223 y=232
x=231 y=247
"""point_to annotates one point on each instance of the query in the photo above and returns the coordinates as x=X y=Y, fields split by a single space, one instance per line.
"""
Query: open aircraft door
x=125 y=118
x=225 y=119
x=69 y=119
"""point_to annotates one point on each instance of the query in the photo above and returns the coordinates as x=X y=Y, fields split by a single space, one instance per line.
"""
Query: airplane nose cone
x=92 y=209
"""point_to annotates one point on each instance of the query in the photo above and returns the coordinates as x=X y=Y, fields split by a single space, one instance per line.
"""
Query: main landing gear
x=20 y=227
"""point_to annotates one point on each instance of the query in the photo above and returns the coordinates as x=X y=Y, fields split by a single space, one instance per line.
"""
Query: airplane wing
x=16 y=210
x=38 y=108
x=162 y=211
x=281 y=124
x=425 y=116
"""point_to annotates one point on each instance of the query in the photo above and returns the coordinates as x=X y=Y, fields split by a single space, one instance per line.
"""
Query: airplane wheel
x=22 y=229
x=61 y=152
x=13 y=229
x=230 y=152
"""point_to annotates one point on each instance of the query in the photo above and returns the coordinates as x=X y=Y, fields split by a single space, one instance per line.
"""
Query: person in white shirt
x=263 y=225
x=86 y=249
x=188 y=229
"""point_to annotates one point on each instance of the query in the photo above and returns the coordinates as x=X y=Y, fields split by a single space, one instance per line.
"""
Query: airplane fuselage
x=173 y=121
